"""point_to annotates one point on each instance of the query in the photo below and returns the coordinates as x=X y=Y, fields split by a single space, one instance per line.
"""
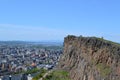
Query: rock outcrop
x=91 y=58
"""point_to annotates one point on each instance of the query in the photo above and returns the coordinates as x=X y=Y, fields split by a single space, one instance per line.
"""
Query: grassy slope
x=57 y=75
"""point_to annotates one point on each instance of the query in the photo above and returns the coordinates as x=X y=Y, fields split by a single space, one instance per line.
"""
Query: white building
x=29 y=77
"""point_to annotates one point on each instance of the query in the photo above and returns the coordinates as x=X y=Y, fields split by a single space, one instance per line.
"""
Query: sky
x=52 y=20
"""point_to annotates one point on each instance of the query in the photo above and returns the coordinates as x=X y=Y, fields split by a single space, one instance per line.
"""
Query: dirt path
x=46 y=74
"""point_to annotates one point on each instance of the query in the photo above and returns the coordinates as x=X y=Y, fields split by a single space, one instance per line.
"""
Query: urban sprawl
x=18 y=58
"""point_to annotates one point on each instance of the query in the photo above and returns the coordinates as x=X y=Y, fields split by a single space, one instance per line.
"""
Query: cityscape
x=17 y=58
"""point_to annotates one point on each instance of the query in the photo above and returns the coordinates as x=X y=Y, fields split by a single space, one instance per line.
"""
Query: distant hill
x=47 y=45
x=34 y=43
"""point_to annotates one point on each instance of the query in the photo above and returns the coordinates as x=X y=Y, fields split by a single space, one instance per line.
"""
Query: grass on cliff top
x=58 y=75
x=107 y=41
x=101 y=39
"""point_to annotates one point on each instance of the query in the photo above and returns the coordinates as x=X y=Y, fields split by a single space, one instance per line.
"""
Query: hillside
x=90 y=58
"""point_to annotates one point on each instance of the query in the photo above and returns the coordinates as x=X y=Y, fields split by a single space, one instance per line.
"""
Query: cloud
x=38 y=33
x=21 y=32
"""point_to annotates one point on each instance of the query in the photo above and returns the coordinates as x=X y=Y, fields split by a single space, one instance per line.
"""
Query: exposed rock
x=91 y=58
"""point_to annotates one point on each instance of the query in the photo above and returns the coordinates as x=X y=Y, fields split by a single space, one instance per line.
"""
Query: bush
x=32 y=71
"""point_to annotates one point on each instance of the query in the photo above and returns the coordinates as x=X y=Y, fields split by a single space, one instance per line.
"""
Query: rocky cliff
x=91 y=58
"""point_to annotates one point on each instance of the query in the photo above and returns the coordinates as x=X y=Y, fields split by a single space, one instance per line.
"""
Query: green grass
x=35 y=70
x=104 y=70
x=32 y=71
x=42 y=72
x=58 y=75
x=107 y=41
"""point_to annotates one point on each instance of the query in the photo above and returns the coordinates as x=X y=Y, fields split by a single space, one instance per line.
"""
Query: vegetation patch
x=32 y=71
x=58 y=75
x=107 y=41
x=42 y=72
x=35 y=70
x=104 y=70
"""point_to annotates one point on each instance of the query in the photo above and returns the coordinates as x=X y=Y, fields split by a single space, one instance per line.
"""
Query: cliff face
x=90 y=58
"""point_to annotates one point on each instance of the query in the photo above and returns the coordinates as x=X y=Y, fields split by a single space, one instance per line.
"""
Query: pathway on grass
x=46 y=74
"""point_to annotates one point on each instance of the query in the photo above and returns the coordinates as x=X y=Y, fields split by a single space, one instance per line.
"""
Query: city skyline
x=48 y=20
